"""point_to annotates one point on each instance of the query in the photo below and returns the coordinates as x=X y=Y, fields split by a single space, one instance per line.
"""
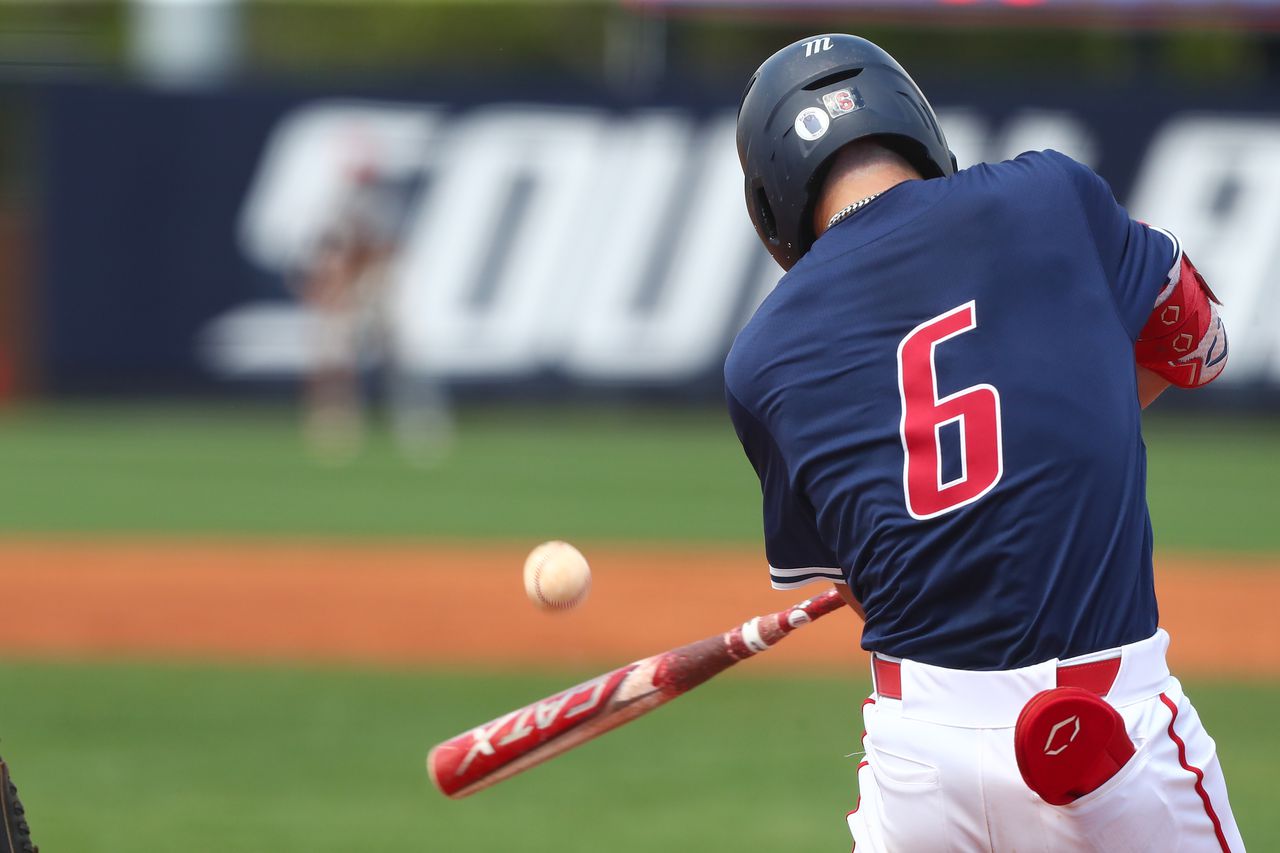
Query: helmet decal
x=843 y=101
x=817 y=45
x=812 y=123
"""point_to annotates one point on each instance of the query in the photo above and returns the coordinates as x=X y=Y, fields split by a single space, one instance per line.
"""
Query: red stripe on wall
x=1196 y=771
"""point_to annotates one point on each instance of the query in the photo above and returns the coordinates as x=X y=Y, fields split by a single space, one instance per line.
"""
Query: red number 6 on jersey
x=975 y=409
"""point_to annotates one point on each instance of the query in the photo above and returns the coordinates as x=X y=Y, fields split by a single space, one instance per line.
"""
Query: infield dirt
x=461 y=605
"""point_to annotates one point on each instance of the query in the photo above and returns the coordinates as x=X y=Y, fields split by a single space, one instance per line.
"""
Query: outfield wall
x=546 y=238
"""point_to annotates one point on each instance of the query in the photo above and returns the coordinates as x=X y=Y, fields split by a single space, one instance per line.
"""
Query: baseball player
x=345 y=282
x=942 y=401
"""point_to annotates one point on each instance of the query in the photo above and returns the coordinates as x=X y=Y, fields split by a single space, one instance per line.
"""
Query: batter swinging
x=942 y=401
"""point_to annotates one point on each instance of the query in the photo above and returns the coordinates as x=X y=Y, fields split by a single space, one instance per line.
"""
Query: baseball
x=556 y=576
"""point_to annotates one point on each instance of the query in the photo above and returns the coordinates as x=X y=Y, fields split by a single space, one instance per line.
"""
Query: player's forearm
x=1150 y=386
x=847 y=595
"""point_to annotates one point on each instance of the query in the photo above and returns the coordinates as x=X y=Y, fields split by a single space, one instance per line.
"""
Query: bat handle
x=809 y=609
x=758 y=634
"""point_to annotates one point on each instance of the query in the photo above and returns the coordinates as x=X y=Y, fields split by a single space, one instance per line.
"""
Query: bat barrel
x=458 y=764
x=527 y=736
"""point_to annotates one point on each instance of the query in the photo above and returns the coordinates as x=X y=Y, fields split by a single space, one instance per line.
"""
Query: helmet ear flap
x=750 y=83
x=763 y=211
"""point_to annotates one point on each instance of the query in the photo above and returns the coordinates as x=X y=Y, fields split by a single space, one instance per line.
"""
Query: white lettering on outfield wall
x=459 y=233
x=614 y=248
x=306 y=165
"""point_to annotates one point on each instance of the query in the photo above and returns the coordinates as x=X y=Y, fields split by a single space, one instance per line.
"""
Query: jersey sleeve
x=792 y=543
x=1138 y=259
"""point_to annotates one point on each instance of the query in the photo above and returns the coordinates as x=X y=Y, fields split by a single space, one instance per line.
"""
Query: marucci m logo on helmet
x=817 y=46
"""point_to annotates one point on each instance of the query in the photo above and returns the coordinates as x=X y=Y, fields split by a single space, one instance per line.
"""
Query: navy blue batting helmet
x=804 y=104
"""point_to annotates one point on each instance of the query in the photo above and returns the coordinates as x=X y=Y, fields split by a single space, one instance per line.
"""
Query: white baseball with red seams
x=556 y=576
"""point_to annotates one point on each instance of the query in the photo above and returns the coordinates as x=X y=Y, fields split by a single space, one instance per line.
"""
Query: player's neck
x=853 y=184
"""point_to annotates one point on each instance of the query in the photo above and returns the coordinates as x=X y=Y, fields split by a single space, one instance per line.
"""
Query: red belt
x=1096 y=676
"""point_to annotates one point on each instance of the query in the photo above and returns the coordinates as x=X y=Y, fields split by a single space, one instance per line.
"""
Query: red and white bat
x=501 y=748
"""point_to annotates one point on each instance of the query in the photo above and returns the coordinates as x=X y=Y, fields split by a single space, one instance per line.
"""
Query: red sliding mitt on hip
x=1068 y=742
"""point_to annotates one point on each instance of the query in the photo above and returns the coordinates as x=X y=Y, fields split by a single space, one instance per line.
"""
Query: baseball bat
x=528 y=736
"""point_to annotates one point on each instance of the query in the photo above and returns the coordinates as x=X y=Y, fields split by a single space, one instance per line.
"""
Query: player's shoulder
x=772 y=331
x=743 y=364
x=1046 y=167
x=1031 y=189
x=1046 y=171
x=741 y=386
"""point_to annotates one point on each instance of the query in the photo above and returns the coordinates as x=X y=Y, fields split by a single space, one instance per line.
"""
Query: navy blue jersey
x=941 y=403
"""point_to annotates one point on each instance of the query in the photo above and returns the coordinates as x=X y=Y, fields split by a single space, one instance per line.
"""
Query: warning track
x=459 y=604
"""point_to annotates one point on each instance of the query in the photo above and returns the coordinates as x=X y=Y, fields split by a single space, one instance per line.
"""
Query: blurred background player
x=345 y=285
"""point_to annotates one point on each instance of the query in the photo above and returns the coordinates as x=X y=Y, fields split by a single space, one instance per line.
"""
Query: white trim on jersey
x=1177 y=247
x=794 y=578
x=1175 y=271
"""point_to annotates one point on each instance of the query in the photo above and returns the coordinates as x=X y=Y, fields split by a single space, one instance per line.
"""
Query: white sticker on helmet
x=812 y=123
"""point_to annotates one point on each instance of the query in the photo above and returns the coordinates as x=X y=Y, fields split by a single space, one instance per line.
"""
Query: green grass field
x=617 y=474
x=142 y=757
x=130 y=758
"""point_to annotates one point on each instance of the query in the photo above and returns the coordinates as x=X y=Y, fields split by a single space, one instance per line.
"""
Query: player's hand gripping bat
x=530 y=735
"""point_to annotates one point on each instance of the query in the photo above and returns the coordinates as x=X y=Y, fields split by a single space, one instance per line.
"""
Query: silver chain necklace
x=852 y=209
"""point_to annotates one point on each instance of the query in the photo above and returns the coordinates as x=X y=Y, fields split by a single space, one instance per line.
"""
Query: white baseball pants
x=939 y=774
